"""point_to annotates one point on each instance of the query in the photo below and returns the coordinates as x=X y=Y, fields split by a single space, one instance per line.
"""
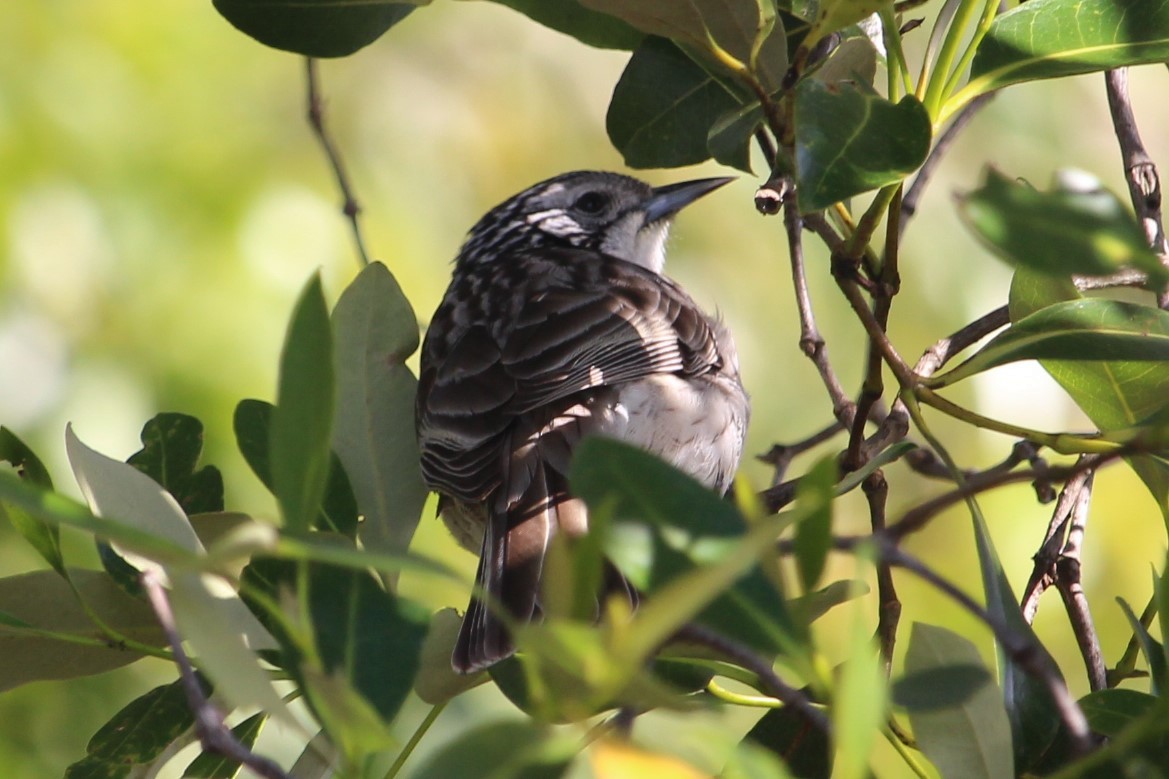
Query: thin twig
x=876 y=491
x=780 y=456
x=316 y=119
x=1144 y=185
x=941 y=146
x=1021 y=649
x=744 y=657
x=210 y=727
x=1072 y=591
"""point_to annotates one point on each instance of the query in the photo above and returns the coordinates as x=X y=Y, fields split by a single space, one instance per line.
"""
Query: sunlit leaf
x=44 y=537
x=664 y=107
x=614 y=759
x=44 y=601
x=889 y=454
x=1077 y=227
x=1048 y=38
x=299 y=452
x=374 y=331
x=314 y=28
x=1086 y=329
x=955 y=709
x=137 y=734
x=572 y=18
x=850 y=140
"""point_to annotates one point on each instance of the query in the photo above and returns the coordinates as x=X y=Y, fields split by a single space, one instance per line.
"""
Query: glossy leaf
x=956 y=711
x=45 y=601
x=44 y=537
x=1077 y=227
x=253 y=423
x=1109 y=712
x=1087 y=329
x=736 y=27
x=171 y=447
x=813 y=534
x=586 y=25
x=314 y=28
x=138 y=734
x=664 y=106
x=374 y=332
x=1049 y=38
x=299 y=449
x=850 y=140
x=211 y=765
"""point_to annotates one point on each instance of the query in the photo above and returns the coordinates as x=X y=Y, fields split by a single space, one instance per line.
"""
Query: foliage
x=310 y=610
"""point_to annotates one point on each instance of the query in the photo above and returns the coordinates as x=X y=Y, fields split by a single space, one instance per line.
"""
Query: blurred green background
x=162 y=202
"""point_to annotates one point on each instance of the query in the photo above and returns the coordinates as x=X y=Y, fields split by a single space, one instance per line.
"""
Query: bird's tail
x=512 y=567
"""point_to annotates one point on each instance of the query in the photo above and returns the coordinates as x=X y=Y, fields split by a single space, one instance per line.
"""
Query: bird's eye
x=591 y=203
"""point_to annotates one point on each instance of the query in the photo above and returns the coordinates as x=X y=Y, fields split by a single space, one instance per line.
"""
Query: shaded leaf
x=44 y=601
x=137 y=734
x=1077 y=227
x=211 y=765
x=571 y=18
x=729 y=138
x=171 y=447
x=253 y=423
x=1086 y=329
x=664 y=106
x=850 y=140
x=1152 y=650
x=804 y=748
x=1049 y=38
x=960 y=724
x=813 y=534
x=665 y=526
x=44 y=537
x=859 y=703
x=314 y=28
x=508 y=750
x=1109 y=712
x=808 y=608
x=374 y=331
x=299 y=450
x=316 y=761
x=750 y=761
x=436 y=681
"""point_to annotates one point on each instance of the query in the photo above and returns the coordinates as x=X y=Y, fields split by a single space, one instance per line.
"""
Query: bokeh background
x=162 y=201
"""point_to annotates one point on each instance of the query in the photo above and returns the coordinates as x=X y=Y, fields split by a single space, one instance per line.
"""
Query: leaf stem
x=935 y=91
x=415 y=738
x=742 y=699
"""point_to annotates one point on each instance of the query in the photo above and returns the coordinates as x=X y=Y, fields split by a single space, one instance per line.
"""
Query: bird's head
x=607 y=212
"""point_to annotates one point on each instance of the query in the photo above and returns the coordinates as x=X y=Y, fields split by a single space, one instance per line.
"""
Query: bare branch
x=316 y=119
x=213 y=732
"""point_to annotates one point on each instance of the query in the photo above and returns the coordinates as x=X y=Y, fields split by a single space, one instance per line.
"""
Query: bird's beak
x=672 y=198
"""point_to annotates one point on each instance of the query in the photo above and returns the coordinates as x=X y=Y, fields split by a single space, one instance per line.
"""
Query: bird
x=558 y=324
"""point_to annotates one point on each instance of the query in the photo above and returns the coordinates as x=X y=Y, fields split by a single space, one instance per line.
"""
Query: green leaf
x=171 y=447
x=46 y=603
x=374 y=332
x=958 y=719
x=850 y=140
x=750 y=761
x=1050 y=38
x=889 y=454
x=300 y=451
x=436 y=682
x=1031 y=711
x=808 y=608
x=664 y=107
x=314 y=28
x=253 y=424
x=737 y=27
x=813 y=535
x=316 y=761
x=503 y=750
x=804 y=749
x=212 y=765
x=572 y=18
x=1152 y=650
x=45 y=538
x=665 y=526
x=729 y=139
x=1078 y=227
x=859 y=701
x=137 y=734
x=1109 y=712
x=1087 y=329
